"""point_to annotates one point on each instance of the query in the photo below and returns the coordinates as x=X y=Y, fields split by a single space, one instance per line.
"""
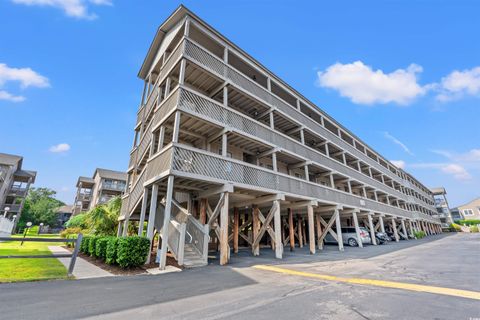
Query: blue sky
x=402 y=75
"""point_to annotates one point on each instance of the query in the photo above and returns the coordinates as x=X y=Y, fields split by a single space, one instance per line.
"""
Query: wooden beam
x=278 y=235
x=228 y=187
x=299 y=230
x=301 y=204
x=319 y=232
x=311 y=229
x=235 y=229
x=224 y=250
x=291 y=229
x=261 y=200
x=255 y=230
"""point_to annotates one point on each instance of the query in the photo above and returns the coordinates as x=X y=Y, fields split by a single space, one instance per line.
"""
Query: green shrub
x=101 y=247
x=468 y=222
x=78 y=221
x=91 y=246
x=455 y=227
x=132 y=251
x=419 y=234
x=111 y=253
x=474 y=229
x=65 y=233
x=85 y=244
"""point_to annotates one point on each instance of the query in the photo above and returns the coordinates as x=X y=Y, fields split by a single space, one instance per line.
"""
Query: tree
x=40 y=207
x=103 y=219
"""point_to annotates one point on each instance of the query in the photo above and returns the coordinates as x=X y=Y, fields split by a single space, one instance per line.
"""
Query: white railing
x=196 y=104
x=6 y=226
x=200 y=238
x=176 y=239
x=209 y=166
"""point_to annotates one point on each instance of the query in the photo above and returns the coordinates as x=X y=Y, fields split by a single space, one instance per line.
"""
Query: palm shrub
x=77 y=221
x=455 y=227
x=132 y=251
x=474 y=229
x=111 y=251
x=103 y=219
x=101 y=247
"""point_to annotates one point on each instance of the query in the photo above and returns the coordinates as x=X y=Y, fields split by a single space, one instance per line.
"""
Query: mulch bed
x=117 y=270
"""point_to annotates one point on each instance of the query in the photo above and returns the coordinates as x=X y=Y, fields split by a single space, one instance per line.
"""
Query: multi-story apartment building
x=104 y=185
x=441 y=204
x=470 y=210
x=224 y=147
x=14 y=185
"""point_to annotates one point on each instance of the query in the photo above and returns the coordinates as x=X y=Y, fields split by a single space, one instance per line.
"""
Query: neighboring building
x=104 y=185
x=14 y=185
x=220 y=137
x=470 y=211
x=456 y=215
x=63 y=214
x=441 y=204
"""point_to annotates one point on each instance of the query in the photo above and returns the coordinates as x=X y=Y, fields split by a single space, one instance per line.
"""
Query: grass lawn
x=12 y=270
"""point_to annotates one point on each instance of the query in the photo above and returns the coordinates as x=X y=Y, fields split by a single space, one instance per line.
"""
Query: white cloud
x=457 y=171
x=4 y=95
x=25 y=76
x=470 y=157
x=60 y=148
x=72 y=8
x=398 y=163
x=398 y=142
x=363 y=85
x=459 y=84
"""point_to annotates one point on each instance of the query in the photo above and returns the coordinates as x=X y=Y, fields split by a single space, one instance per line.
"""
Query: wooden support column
x=410 y=227
x=382 y=226
x=394 y=226
x=291 y=229
x=311 y=229
x=166 y=221
x=151 y=217
x=404 y=229
x=235 y=229
x=319 y=232
x=255 y=230
x=142 y=212
x=357 y=228
x=203 y=211
x=300 y=231
x=339 y=229
x=224 y=231
x=372 y=229
x=119 y=229
x=278 y=234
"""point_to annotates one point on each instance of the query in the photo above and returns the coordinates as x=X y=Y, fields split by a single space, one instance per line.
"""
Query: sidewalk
x=83 y=269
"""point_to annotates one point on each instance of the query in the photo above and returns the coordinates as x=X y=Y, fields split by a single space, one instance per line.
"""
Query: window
x=468 y=212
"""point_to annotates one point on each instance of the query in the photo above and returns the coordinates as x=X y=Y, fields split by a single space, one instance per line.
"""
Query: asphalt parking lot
x=320 y=286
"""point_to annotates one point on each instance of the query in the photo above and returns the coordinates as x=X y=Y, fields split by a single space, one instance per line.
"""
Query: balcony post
x=181 y=76
x=176 y=127
x=272 y=122
x=274 y=161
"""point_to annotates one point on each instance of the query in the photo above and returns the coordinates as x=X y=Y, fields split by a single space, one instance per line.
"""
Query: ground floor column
x=319 y=232
x=291 y=229
x=311 y=230
x=224 y=231
x=404 y=229
x=357 y=228
x=166 y=221
x=277 y=223
x=339 y=229
x=410 y=227
x=382 y=226
x=372 y=228
x=394 y=226
x=143 y=210
x=151 y=217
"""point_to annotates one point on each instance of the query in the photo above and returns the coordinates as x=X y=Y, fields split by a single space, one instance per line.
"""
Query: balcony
x=188 y=162
x=113 y=187
x=193 y=103
x=18 y=191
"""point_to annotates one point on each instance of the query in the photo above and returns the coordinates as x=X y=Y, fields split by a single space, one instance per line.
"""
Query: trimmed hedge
x=111 y=253
x=85 y=244
x=468 y=222
x=91 y=246
x=101 y=247
x=132 y=251
x=127 y=252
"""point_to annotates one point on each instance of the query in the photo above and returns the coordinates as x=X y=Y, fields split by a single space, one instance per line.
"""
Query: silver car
x=349 y=236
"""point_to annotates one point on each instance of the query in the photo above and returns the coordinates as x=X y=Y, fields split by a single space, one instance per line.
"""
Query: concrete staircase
x=192 y=258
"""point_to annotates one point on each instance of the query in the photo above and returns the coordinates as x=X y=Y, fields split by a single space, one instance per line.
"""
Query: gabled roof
x=10 y=159
x=111 y=174
x=466 y=204
x=66 y=208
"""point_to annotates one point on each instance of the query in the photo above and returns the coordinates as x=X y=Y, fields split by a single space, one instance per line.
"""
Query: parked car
x=382 y=237
x=349 y=237
x=392 y=236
